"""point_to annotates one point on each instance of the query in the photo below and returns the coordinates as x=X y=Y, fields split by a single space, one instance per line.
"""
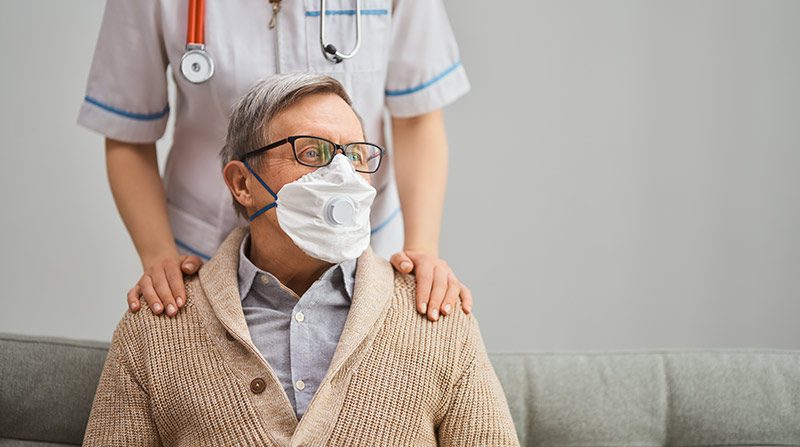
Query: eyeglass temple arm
x=261 y=150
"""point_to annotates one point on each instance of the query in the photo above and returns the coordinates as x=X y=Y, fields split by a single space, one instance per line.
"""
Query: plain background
x=624 y=175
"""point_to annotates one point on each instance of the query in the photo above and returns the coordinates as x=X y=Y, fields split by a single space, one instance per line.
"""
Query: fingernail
x=435 y=314
x=156 y=308
x=170 y=309
x=424 y=307
x=179 y=301
x=405 y=265
x=189 y=266
x=447 y=309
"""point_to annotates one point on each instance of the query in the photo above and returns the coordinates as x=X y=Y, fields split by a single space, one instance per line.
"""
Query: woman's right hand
x=139 y=194
x=161 y=284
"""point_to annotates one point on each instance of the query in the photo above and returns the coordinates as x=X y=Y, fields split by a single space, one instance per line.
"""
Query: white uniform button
x=264 y=279
x=300 y=385
x=299 y=316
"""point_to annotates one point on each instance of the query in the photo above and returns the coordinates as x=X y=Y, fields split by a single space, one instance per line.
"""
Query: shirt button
x=264 y=279
x=258 y=385
x=299 y=316
x=300 y=385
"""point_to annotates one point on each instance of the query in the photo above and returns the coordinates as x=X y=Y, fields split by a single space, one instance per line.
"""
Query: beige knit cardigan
x=396 y=379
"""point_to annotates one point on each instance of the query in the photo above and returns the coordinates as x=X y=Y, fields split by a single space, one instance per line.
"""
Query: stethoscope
x=196 y=64
x=198 y=67
x=329 y=50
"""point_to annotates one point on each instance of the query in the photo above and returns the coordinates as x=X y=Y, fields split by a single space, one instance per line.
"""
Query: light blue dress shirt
x=297 y=336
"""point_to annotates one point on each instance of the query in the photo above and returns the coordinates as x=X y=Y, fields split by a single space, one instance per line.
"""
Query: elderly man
x=295 y=333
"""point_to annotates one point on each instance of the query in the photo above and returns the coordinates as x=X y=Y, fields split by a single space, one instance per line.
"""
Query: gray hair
x=252 y=113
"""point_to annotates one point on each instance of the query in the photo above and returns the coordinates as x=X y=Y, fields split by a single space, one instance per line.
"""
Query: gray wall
x=624 y=174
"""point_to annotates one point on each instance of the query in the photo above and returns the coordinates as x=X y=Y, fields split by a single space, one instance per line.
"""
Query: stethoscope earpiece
x=331 y=49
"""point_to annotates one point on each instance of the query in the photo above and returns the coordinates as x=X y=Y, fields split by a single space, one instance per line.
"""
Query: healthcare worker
x=395 y=56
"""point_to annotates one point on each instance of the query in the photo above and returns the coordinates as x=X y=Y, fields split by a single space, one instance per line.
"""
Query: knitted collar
x=374 y=287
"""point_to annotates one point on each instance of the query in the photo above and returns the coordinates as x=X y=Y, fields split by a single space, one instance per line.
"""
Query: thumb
x=401 y=262
x=190 y=264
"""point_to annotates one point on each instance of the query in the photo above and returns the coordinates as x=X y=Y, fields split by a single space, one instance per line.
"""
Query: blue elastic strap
x=269 y=190
x=262 y=211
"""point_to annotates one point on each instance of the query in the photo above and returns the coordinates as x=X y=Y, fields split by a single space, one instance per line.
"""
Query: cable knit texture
x=396 y=379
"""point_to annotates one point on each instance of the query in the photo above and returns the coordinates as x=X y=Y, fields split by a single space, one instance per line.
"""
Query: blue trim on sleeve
x=136 y=116
x=383 y=224
x=191 y=250
x=348 y=12
x=437 y=78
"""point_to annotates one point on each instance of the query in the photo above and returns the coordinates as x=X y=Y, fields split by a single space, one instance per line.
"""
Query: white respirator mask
x=325 y=212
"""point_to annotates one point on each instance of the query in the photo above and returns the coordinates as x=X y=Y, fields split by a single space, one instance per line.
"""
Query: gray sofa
x=674 y=398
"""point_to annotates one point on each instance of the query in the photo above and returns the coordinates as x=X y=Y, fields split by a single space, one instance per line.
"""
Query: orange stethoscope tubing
x=195 y=23
x=197 y=66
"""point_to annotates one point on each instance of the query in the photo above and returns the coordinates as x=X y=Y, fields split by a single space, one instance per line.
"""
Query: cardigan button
x=258 y=385
x=229 y=336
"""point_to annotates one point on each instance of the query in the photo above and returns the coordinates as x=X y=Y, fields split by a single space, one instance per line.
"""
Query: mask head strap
x=269 y=190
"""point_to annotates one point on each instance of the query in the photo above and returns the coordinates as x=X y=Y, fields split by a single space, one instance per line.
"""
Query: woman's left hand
x=437 y=285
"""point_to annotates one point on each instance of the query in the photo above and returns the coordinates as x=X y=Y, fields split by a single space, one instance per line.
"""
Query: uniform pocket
x=340 y=31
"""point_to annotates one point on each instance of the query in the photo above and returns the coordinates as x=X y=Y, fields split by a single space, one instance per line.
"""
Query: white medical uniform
x=408 y=64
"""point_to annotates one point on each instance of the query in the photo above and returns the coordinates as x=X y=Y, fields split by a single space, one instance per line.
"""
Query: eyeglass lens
x=317 y=152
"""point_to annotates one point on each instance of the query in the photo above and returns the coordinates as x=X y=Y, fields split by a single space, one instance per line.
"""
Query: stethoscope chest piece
x=196 y=65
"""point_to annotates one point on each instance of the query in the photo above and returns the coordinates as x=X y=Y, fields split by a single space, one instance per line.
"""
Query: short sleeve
x=126 y=93
x=424 y=71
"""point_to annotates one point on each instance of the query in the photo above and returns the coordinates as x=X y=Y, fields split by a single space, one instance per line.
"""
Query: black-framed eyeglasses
x=316 y=152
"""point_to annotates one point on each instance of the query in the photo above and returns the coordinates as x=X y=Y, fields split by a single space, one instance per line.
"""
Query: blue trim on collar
x=131 y=115
x=424 y=85
x=348 y=12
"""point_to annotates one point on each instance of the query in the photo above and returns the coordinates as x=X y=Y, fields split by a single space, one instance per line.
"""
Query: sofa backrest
x=47 y=387
x=647 y=398
x=654 y=398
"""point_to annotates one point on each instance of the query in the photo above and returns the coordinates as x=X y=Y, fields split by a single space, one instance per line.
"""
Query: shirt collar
x=248 y=271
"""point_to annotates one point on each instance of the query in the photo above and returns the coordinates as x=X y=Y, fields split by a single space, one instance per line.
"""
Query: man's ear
x=235 y=174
